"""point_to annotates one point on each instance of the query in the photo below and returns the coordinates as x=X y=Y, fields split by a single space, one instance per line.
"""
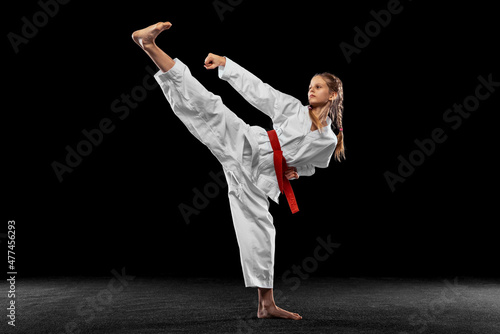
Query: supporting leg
x=255 y=233
x=268 y=309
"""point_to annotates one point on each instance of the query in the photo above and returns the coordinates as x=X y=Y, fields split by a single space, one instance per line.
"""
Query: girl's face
x=319 y=93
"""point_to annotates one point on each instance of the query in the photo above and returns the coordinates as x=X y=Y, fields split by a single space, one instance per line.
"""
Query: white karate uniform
x=246 y=154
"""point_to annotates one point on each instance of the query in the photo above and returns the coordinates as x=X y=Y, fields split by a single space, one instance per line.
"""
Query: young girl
x=255 y=162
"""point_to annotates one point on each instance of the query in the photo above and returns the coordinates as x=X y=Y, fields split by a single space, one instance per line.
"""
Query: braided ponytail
x=336 y=111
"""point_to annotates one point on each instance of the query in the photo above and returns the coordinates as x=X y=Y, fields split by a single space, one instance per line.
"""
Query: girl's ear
x=334 y=96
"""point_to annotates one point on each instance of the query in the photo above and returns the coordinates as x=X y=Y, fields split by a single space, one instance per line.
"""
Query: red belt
x=280 y=167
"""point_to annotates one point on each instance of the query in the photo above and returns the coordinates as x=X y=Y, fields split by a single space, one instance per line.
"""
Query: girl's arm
x=259 y=94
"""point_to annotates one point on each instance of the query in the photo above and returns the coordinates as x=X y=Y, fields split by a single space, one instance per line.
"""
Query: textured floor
x=328 y=305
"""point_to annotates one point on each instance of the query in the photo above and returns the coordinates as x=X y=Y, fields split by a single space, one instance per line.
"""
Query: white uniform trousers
x=236 y=145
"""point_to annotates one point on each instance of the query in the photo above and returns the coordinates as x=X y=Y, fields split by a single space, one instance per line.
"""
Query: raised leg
x=146 y=37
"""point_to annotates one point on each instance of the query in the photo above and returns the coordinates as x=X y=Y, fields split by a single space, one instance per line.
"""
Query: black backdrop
x=119 y=207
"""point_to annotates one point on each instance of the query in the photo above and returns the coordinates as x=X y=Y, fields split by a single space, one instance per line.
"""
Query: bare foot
x=146 y=37
x=273 y=311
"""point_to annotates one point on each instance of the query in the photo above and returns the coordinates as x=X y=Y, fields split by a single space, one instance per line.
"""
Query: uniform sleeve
x=318 y=154
x=268 y=100
x=306 y=170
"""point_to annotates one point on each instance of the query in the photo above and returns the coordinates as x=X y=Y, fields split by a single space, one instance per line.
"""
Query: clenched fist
x=213 y=61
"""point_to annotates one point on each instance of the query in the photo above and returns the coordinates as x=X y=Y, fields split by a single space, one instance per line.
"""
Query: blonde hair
x=334 y=109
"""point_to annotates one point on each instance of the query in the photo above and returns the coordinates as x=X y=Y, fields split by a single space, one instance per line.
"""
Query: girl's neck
x=321 y=112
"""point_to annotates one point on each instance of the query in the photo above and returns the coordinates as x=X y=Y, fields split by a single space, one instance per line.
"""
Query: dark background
x=120 y=206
